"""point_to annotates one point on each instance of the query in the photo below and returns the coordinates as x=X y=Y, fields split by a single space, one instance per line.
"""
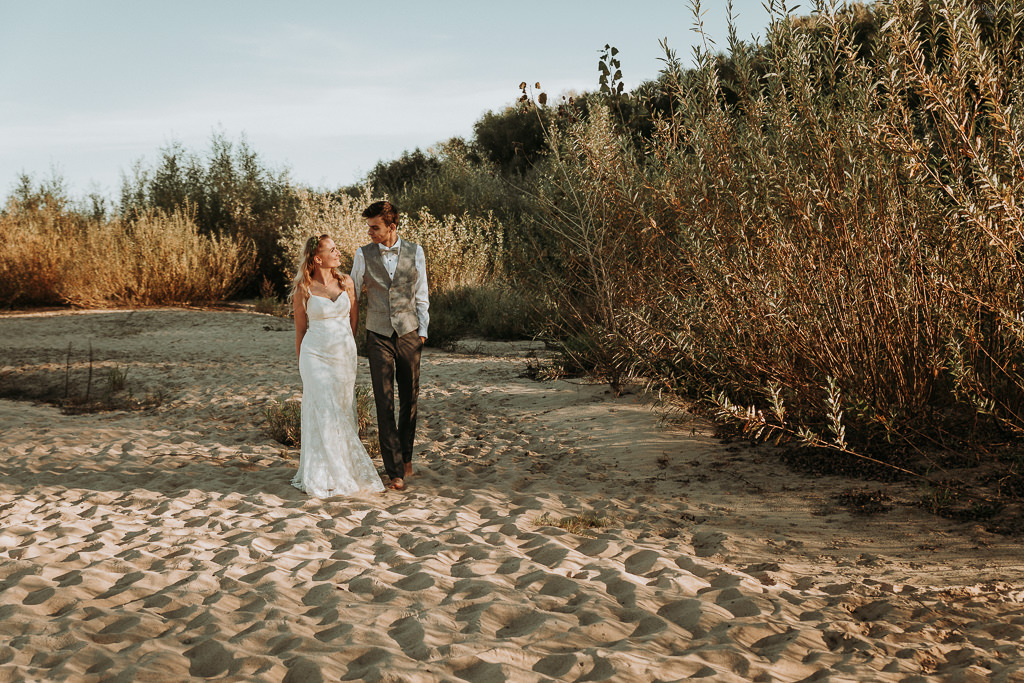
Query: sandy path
x=166 y=544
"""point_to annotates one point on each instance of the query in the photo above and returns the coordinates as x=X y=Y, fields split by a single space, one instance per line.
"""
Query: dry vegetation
x=284 y=421
x=55 y=256
x=821 y=236
x=822 y=239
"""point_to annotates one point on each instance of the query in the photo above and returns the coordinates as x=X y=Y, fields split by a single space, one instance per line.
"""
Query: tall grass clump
x=283 y=421
x=55 y=256
x=823 y=236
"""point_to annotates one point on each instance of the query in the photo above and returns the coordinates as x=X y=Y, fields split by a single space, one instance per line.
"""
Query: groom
x=394 y=273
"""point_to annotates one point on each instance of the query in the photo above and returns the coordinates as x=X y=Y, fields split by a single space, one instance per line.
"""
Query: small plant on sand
x=284 y=422
x=268 y=302
x=576 y=524
x=117 y=379
x=366 y=419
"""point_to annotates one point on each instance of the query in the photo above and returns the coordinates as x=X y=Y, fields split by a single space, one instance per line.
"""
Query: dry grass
x=55 y=256
x=580 y=525
x=269 y=303
x=284 y=422
x=339 y=216
x=462 y=251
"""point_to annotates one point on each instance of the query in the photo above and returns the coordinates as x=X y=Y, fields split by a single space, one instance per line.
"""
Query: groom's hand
x=423 y=340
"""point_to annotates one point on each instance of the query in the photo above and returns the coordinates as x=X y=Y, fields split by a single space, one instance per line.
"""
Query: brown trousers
x=394 y=358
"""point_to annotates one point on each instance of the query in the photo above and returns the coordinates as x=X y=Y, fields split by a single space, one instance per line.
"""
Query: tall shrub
x=832 y=235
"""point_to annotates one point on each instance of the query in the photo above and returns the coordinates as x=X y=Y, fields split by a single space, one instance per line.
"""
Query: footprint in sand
x=708 y=543
x=471 y=615
x=415 y=582
x=738 y=604
x=327 y=635
x=409 y=635
x=555 y=666
x=302 y=670
x=522 y=625
x=641 y=562
x=559 y=587
x=367 y=666
x=209 y=659
x=480 y=671
x=649 y=625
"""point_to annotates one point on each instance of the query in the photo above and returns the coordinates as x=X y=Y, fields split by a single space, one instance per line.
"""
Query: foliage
x=322 y=213
x=828 y=229
x=269 y=303
x=461 y=250
x=229 y=192
x=489 y=311
x=512 y=138
x=54 y=255
x=391 y=178
x=461 y=182
x=283 y=421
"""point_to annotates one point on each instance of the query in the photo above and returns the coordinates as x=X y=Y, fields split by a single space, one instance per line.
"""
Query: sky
x=322 y=89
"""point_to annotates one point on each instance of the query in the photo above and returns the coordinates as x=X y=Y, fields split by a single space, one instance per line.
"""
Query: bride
x=332 y=459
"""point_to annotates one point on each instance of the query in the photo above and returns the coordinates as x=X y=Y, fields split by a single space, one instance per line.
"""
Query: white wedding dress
x=332 y=460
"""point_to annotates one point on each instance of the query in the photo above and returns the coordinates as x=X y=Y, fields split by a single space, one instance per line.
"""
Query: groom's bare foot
x=408 y=470
x=396 y=484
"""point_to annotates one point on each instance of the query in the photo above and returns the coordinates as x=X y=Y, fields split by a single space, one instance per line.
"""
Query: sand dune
x=166 y=544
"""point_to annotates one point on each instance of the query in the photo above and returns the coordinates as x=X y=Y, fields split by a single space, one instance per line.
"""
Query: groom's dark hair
x=384 y=209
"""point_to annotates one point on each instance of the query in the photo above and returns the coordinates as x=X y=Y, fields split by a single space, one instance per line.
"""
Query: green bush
x=489 y=311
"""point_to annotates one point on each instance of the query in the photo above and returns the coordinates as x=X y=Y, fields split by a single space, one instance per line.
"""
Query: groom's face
x=380 y=232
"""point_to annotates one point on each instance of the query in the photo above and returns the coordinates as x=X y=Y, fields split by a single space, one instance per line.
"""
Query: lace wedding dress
x=332 y=460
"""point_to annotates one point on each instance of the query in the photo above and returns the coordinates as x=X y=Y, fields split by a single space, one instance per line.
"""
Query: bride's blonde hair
x=304 y=273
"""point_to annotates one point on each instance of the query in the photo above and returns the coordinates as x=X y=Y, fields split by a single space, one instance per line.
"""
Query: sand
x=167 y=544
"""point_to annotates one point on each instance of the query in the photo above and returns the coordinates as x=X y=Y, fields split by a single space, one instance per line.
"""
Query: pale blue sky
x=324 y=88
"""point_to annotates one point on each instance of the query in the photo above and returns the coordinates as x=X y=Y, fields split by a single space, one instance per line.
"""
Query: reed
x=822 y=241
x=54 y=256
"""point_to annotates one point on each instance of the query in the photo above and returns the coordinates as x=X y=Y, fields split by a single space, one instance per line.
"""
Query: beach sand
x=167 y=545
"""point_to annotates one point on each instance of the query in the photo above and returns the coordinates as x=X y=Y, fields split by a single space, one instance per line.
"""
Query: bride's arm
x=353 y=311
x=301 y=323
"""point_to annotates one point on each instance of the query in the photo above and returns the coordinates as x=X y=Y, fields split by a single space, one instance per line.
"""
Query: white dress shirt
x=390 y=257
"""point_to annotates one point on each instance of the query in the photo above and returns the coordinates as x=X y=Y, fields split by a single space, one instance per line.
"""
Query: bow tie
x=389 y=250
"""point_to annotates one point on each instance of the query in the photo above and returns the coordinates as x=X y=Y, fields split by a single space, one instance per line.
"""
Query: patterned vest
x=390 y=303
